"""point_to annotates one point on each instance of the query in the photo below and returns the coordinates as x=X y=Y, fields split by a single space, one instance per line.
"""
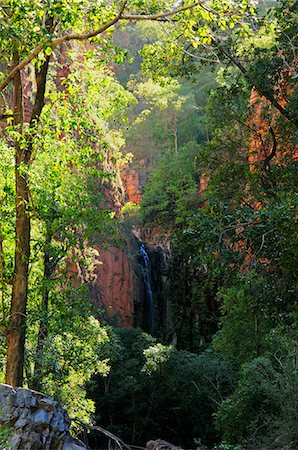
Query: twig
x=214 y=386
x=263 y=241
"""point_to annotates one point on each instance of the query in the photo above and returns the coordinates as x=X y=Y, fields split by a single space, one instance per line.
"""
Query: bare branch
x=209 y=396
x=107 y=433
x=263 y=241
x=216 y=388
x=272 y=154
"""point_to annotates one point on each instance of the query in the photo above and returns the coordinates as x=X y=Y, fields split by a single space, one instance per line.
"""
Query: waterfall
x=147 y=276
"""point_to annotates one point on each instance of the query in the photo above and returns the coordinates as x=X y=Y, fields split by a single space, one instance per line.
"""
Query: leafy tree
x=262 y=410
x=261 y=45
x=30 y=33
x=154 y=390
x=171 y=190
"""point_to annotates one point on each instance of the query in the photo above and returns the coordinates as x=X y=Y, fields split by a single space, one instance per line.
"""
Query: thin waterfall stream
x=147 y=276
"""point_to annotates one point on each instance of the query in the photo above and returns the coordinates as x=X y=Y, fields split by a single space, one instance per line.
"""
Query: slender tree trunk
x=17 y=327
x=16 y=330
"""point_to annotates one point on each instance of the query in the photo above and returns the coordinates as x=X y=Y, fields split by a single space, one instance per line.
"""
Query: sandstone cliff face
x=116 y=285
x=266 y=139
x=131 y=183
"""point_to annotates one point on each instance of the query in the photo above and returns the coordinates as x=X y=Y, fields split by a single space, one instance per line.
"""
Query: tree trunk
x=17 y=327
x=16 y=330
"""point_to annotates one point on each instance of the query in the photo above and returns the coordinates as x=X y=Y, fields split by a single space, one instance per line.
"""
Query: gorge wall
x=120 y=291
x=117 y=287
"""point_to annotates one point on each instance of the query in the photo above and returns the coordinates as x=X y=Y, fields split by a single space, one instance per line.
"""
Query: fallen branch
x=101 y=430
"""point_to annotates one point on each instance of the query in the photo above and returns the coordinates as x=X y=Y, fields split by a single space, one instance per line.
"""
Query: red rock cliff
x=266 y=135
x=131 y=183
x=115 y=286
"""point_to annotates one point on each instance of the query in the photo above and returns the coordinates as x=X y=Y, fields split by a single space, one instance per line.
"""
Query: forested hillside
x=148 y=218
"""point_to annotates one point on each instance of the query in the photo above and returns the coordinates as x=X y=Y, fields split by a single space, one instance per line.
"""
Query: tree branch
x=159 y=16
x=107 y=433
x=272 y=154
x=85 y=36
x=21 y=65
x=270 y=97
x=216 y=388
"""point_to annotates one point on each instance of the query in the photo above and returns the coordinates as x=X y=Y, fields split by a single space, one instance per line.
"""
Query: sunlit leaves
x=156 y=356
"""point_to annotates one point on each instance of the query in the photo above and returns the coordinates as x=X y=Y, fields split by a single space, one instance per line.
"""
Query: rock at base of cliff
x=36 y=421
x=159 y=444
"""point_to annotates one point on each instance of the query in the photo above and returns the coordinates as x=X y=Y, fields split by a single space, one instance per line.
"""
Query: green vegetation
x=5 y=433
x=84 y=85
x=155 y=390
x=234 y=251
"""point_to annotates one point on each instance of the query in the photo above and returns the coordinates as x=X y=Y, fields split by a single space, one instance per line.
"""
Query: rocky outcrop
x=267 y=142
x=131 y=182
x=36 y=422
x=159 y=444
x=155 y=238
x=115 y=286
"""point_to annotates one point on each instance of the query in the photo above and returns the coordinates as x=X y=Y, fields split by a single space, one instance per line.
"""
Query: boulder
x=36 y=421
x=159 y=444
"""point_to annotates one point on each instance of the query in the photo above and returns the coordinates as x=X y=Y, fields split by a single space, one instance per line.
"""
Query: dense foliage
x=205 y=96
x=234 y=249
x=155 y=390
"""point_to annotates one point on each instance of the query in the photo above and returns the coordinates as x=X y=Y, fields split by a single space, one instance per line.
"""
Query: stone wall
x=37 y=422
